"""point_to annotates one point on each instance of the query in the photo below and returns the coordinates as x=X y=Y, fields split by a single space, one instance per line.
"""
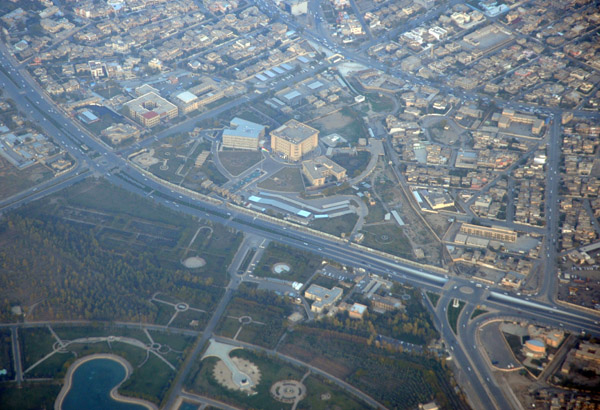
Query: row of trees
x=398 y=380
x=63 y=267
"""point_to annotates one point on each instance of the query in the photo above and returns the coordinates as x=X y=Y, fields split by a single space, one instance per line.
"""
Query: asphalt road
x=32 y=100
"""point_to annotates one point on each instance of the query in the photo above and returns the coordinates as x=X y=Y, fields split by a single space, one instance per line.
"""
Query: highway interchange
x=480 y=386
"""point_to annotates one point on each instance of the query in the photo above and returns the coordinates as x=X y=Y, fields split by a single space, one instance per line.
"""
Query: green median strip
x=453 y=313
x=433 y=298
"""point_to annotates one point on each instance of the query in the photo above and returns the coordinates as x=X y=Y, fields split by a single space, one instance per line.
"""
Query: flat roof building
x=499 y=234
x=150 y=108
x=508 y=116
x=385 y=303
x=145 y=89
x=186 y=101
x=322 y=297
x=243 y=134
x=589 y=352
x=357 y=311
x=294 y=140
x=437 y=199
x=319 y=169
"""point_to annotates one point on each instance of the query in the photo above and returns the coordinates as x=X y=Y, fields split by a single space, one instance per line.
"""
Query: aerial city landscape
x=299 y=204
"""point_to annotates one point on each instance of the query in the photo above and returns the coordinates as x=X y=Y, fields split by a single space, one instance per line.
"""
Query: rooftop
x=150 y=103
x=294 y=131
x=322 y=296
x=321 y=166
x=186 y=97
x=243 y=128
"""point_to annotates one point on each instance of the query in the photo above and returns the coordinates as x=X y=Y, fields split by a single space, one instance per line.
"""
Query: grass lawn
x=273 y=319
x=321 y=394
x=355 y=129
x=354 y=164
x=103 y=196
x=108 y=92
x=132 y=354
x=183 y=320
x=175 y=341
x=376 y=213
x=478 y=312
x=433 y=297
x=303 y=264
x=6 y=360
x=163 y=314
x=335 y=226
x=271 y=369
x=237 y=162
x=228 y=327
x=78 y=332
x=56 y=365
x=32 y=396
x=387 y=238
x=380 y=102
x=397 y=380
x=36 y=342
x=453 y=313
x=252 y=116
x=212 y=173
x=285 y=180
x=149 y=382
x=217 y=249
x=53 y=367
x=514 y=342
x=324 y=281
x=103 y=123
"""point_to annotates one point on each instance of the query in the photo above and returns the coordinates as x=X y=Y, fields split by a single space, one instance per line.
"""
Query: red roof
x=149 y=115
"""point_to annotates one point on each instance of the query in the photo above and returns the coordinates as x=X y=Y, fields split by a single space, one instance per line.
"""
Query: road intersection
x=114 y=167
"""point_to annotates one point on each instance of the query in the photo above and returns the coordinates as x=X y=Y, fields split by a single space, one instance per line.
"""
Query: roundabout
x=181 y=307
x=288 y=391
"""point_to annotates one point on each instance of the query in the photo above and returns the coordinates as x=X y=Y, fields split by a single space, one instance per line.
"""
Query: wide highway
x=32 y=100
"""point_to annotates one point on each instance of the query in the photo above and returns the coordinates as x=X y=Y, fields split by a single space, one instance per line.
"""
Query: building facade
x=498 y=234
x=243 y=134
x=294 y=139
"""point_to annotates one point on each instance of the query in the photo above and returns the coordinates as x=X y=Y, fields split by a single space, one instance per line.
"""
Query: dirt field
x=444 y=130
x=518 y=384
x=439 y=223
x=321 y=362
x=237 y=162
x=332 y=122
x=12 y=180
x=285 y=180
